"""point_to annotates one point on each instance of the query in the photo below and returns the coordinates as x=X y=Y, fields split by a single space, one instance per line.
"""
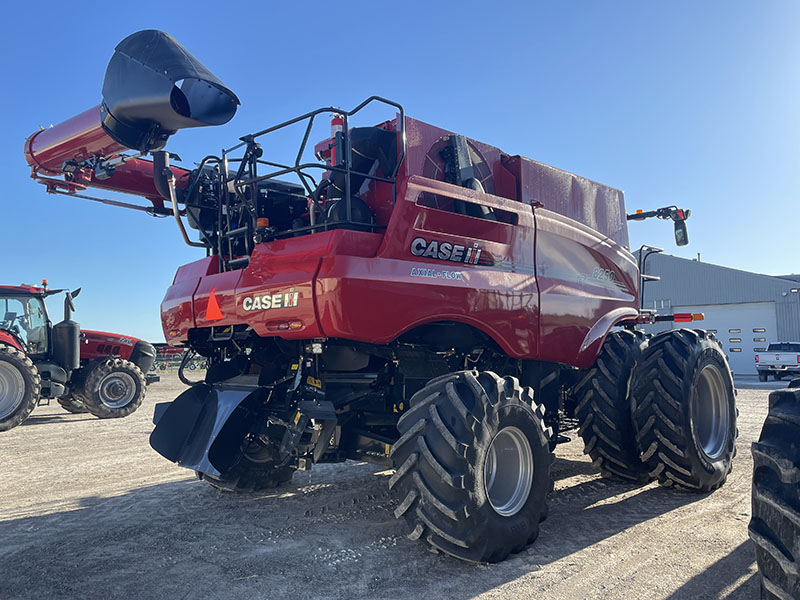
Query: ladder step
x=244 y=260
x=236 y=233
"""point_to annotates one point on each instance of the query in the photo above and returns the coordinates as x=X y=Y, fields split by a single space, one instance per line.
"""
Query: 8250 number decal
x=603 y=274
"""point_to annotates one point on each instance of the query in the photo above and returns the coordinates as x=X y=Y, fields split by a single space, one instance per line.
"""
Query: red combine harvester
x=412 y=298
x=86 y=371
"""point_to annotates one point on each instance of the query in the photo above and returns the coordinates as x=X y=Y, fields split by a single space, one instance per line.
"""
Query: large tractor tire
x=72 y=404
x=775 y=525
x=257 y=470
x=473 y=466
x=604 y=410
x=20 y=385
x=684 y=410
x=114 y=388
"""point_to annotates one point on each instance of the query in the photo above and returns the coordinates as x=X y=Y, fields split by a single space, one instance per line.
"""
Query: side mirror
x=681 y=235
x=678 y=216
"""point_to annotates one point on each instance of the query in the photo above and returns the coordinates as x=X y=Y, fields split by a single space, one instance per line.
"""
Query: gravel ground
x=88 y=510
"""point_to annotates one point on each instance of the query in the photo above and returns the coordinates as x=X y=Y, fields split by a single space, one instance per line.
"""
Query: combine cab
x=405 y=296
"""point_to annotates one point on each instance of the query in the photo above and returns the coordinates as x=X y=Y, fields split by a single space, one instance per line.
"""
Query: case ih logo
x=445 y=251
x=288 y=299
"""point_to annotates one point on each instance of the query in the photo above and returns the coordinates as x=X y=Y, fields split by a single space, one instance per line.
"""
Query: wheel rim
x=117 y=390
x=710 y=412
x=259 y=452
x=508 y=471
x=12 y=389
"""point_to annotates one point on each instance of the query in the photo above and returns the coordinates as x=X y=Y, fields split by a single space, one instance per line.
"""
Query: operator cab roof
x=9 y=290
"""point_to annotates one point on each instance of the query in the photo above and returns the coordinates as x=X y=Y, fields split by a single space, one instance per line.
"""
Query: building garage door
x=742 y=329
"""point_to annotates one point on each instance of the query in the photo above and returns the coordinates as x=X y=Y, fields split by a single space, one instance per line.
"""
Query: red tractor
x=86 y=371
x=412 y=298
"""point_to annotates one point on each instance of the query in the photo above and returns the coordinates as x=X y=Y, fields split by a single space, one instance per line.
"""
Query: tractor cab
x=26 y=326
x=23 y=318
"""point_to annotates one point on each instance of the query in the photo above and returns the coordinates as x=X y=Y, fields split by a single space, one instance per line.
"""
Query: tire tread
x=31 y=374
x=603 y=408
x=663 y=433
x=96 y=372
x=775 y=524
x=435 y=457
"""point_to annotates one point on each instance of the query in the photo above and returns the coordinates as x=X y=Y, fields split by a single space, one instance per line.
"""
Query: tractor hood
x=90 y=336
x=102 y=344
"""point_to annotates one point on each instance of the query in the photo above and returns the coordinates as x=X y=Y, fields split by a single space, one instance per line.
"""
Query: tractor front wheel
x=20 y=385
x=473 y=466
x=684 y=410
x=114 y=388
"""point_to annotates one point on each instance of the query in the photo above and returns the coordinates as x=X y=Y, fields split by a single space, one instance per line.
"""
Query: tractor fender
x=203 y=428
x=9 y=340
x=593 y=341
x=143 y=355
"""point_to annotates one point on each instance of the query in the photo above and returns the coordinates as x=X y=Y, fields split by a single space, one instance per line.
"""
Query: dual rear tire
x=604 y=408
x=684 y=410
x=662 y=408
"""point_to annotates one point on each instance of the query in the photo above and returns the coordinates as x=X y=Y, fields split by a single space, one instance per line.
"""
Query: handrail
x=246 y=175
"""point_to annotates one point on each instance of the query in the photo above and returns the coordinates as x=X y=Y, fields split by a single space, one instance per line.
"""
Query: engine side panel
x=587 y=283
x=427 y=271
x=97 y=344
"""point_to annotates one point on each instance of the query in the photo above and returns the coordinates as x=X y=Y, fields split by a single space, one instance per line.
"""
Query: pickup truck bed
x=780 y=359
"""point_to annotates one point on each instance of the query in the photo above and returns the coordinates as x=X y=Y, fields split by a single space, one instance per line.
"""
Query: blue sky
x=688 y=103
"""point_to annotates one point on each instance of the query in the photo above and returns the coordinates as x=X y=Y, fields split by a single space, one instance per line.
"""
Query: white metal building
x=745 y=310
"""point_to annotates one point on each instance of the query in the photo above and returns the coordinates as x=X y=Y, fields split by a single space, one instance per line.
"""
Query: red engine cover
x=97 y=344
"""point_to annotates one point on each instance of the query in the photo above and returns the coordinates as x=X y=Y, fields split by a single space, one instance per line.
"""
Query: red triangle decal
x=213 y=313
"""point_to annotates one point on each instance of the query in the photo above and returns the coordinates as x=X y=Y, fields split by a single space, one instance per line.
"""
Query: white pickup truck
x=782 y=358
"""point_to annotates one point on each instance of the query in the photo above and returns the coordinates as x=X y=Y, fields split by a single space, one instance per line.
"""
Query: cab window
x=27 y=320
